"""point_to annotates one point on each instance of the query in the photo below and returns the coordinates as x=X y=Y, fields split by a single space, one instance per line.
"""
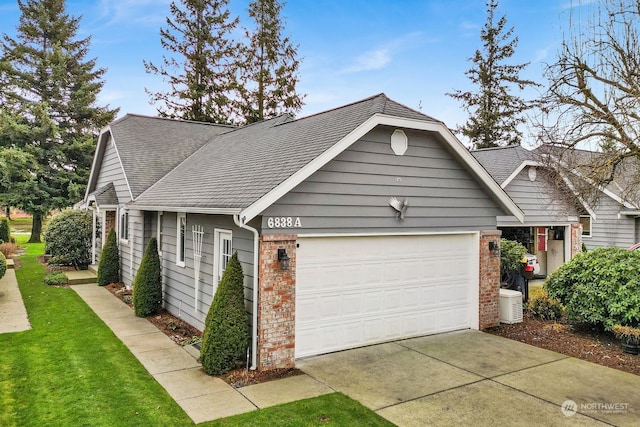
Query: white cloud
x=372 y=60
x=134 y=11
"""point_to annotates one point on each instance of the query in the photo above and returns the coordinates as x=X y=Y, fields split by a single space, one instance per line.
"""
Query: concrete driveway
x=474 y=378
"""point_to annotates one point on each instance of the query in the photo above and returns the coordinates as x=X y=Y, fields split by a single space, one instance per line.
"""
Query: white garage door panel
x=354 y=291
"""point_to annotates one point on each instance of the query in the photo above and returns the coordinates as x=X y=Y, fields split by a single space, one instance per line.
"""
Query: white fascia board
x=181 y=209
x=518 y=170
x=607 y=192
x=382 y=120
x=93 y=174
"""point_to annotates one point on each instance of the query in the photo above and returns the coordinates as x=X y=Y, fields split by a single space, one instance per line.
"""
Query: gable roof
x=503 y=162
x=247 y=169
x=149 y=147
x=623 y=188
x=105 y=195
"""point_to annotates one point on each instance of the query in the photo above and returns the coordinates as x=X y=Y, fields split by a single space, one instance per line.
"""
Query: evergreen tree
x=147 y=285
x=200 y=70
x=49 y=90
x=226 y=331
x=495 y=113
x=268 y=66
x=109 y=265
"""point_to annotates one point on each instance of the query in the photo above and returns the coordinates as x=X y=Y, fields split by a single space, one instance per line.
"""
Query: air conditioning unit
x=510 y=306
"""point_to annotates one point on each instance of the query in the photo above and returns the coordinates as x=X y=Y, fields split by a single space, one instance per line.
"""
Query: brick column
x=576 y=239
x=276 y=303
x=489 y=294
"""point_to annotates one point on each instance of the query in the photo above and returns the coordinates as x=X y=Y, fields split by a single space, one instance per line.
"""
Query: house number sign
x=284 y=222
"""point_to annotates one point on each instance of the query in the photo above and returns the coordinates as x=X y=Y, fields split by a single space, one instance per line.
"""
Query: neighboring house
x=614 y=218
x=551 y=220
x=363 y=224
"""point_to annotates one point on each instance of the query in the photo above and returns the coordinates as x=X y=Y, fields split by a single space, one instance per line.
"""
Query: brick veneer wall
x=276 y=303
x=489 y=297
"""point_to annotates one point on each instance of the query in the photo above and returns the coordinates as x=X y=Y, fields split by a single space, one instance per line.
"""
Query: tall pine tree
x=200 y=69
x=49 y=91
x=495 y=113
x=268 y=66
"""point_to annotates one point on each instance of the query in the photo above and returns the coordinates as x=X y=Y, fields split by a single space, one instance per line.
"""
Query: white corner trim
x=517 y=171
x=458 y=148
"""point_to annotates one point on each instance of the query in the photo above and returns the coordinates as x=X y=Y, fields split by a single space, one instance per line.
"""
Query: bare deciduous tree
x=593 y=100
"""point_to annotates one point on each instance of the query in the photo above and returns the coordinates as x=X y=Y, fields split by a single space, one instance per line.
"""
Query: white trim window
x=181 y=239
x=222 y=252
x=159 y=232
x=585 y=221
x=124 y=225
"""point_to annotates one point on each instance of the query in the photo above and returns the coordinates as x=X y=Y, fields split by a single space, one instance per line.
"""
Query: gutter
x=256 y=260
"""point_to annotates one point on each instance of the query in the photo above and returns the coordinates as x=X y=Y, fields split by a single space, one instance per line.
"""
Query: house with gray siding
x=552 y=210
x=367 y=223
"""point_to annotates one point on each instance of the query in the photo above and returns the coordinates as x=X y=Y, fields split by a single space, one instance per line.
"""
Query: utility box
x=510 y=306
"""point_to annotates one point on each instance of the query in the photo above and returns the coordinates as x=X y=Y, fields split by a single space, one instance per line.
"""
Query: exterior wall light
x=284 y=259
x=494 y=248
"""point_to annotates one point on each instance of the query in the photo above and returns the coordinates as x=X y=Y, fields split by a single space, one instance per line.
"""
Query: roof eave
x=378 y=119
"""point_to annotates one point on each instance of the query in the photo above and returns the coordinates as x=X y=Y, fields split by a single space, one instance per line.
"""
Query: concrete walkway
x=201 y=396
x=13 y=314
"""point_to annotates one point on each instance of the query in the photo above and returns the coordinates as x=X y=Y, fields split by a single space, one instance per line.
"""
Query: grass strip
x=70 y=370
x=333 y=409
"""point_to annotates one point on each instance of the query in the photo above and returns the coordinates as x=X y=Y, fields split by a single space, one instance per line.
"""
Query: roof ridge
x=170 y=119
x=342 y=106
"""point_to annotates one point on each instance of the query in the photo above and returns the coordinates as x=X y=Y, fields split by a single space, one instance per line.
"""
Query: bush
x=5 y=232
x=109 y=265
x=68 y=238
x=226 y=332
x=3 y=265
x=8 y=249
x=56 y=279
x=511 y=254
x=147 y=285
x=601 y=287
x=544 y=307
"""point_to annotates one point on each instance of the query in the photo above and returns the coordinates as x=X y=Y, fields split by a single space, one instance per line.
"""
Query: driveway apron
x=471 y=377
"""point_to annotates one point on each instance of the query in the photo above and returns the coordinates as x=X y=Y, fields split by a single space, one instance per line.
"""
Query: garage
x=360 y=290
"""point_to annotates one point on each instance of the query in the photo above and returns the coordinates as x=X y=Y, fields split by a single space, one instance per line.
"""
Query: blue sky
x=413 y=50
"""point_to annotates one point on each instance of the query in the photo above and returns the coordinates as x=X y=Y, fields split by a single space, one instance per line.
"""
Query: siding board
x=351 y=193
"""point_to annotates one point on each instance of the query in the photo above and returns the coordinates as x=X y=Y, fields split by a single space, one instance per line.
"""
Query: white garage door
x=355 y=291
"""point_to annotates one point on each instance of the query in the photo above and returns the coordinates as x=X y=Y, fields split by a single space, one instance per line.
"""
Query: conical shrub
x=147 y=285
x=109 y=265
x=226 y=333
x=5 y=231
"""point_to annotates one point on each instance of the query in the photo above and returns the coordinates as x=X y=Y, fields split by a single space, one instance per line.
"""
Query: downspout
x=256 y=260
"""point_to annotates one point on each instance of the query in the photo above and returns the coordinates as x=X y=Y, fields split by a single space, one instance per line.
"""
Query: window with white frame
x=585 y=221
x=222 y=251
x=181 y=239
x=159 y=232
x=124 y=225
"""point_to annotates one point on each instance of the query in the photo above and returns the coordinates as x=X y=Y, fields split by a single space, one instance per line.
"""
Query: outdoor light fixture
x=283 y=258
x=494 y=248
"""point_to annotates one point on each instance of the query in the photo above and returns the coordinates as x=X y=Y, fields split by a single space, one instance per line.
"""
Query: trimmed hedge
x=226 y=332
x=601 y=287
x=511 y=254
x=5 y=231
x=147 y=285
x=109 y=265
x=3 y=265
x=68 y=238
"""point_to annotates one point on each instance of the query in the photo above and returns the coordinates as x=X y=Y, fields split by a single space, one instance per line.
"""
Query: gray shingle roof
x=500 y=162
x=106 y=195
x=150 y=147
x=237 y=168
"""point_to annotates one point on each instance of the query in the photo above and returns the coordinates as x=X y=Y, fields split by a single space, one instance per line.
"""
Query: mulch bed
x=184 y=334
x=576 y=340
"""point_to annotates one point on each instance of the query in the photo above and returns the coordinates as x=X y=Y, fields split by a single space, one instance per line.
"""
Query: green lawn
x=70 y=370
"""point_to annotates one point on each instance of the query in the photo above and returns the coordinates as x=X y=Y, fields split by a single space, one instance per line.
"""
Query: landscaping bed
x=184 y=334
x=576 y=340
